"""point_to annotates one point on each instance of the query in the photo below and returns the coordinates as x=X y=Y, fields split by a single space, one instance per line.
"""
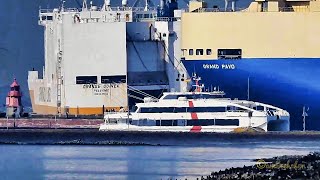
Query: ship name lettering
x=210 y=66
x=228 y=66
x=92 y=86
x=217 y=66
x=100 y=90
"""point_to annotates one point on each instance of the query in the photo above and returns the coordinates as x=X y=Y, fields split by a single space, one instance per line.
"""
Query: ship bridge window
x=208 y=51
x=113 y=79
x=234 y=108
x=259 y=108
x=86 y=80
x=170 y=97
x=181 y=109
x=191 y=96
x=43 y=18
x=229 y=53
x=195 y=96
x=199 y=51
x=190 y=52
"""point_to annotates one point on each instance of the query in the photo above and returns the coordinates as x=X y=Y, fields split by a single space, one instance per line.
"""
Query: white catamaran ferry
x=198 y=112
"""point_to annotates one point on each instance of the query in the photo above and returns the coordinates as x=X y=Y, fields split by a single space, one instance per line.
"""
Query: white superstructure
x=93 y=54
x=198 y=112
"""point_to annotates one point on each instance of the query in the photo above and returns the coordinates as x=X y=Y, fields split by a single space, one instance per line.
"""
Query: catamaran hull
x=125 y=127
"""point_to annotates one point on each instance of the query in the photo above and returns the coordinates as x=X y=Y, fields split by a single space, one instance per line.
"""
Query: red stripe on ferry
x=194 y=116
x=196 y=129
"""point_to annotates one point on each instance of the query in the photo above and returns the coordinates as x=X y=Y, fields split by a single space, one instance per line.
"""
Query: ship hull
x=194 y=129
x=288 y=83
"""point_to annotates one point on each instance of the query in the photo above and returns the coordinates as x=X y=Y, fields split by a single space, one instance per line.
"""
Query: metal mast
x=304 y=115
x=59 y=66
x=59 y=78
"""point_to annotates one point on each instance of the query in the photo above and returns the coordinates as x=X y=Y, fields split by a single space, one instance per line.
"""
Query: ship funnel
x=124 y=3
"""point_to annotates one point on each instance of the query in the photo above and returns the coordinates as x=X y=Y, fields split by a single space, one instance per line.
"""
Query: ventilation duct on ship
x=146 y=8
x=233 y=5
x=84 y=5
x=94 y=8
x=124 y=3
x=107 y=3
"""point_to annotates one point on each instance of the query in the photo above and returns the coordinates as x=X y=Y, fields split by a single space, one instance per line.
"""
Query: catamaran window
x=206 y=109
x=229 y=53
x=227 y=122
x=199 y=51
x=113 y=79
x=259 y=108
x=134 y=109
x=208 y=51
x=170 y=97
x=144 y=122
x=86 y=80
x=200 y=122
x=190 y=52
x=157 y=110
x=180 y=109
x=167 y=123
x=234 y=108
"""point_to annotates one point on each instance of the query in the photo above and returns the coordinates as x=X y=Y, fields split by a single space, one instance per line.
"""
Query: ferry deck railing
x=134 y=9
x=280 y=9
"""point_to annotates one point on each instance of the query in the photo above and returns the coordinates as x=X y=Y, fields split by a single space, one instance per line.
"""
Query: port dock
x=50 y=123
x=96 y=137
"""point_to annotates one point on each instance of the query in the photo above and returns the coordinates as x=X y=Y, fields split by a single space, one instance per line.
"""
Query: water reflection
x=21 y=162
x=137 y=162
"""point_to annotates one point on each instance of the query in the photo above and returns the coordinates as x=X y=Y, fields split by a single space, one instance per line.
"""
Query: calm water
x=137 y=162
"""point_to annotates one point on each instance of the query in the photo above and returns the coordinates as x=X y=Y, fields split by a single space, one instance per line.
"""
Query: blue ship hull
x=288 y=83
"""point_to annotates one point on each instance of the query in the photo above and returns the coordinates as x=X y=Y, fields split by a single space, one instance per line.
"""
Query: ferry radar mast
x=197 y=85
x=304 y=115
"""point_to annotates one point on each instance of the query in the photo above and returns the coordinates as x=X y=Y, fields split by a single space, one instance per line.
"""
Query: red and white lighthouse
x=13 y=100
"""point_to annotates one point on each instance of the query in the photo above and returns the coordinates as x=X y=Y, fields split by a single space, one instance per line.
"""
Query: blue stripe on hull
x=288 y=83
